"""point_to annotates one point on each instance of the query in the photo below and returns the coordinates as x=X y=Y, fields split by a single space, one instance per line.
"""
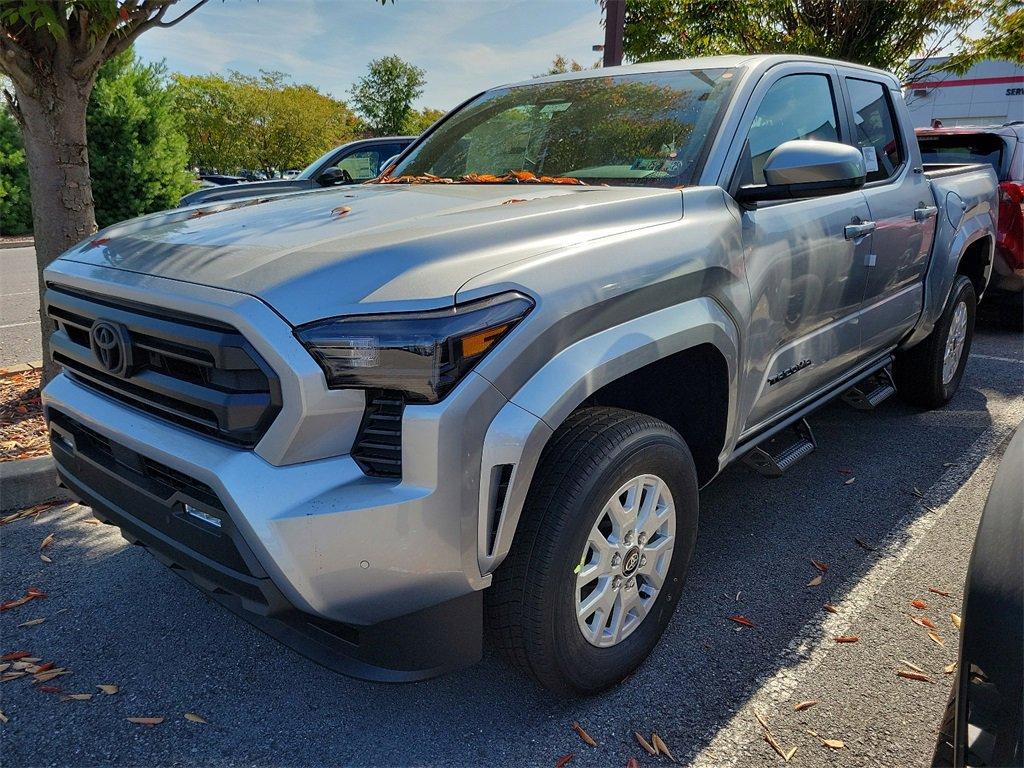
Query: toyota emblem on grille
x=112 y=346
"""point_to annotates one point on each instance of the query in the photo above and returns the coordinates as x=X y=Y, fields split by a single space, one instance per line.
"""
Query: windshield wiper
x=512 y=177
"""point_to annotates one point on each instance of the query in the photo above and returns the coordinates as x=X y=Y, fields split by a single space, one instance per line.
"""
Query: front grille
x=194 y=372
x=378 y=448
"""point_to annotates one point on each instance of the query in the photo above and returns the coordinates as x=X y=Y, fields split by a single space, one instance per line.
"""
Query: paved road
x=115 y=616
x=19 y=307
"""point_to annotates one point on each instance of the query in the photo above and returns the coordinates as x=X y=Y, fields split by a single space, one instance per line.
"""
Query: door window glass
x=796 y=107
x=363 y=164
x=875 y=128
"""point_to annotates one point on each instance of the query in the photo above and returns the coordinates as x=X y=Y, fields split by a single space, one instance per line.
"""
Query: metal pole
x=614 y=25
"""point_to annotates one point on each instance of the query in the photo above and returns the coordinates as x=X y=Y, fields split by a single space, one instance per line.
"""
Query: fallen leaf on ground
x=786 y=755
x=863 y=544
x=47 y=541
x=742 y=620
x=30 y=594
x=815 y=581
x=11 y=676
x=949 y=669
x=833 y=743
x=192 y=717
x=936 y=638
x=632 y=763
x=804 y=705
x=44 y=667
x=15 y=655
x=587 y=739
x=91 y=521
x=845 y=471
x=146 y=720
x=911 y=675
x=823 y=567
x=847 y=639
x=831 y=608
x=45 y=559
x=31 y=623
x=3 y=717
x=919 y=604
x=955 y=618
x=644 y=744
x=108 y=689
x=923 y=621
x=938 y=591
x=50 y=689
x=916 y=668
x=915 y=491
x=77 y=697
x=5 y=666
x=789 y=754
x=45 y=677
x=851 y=481
x=662 y=747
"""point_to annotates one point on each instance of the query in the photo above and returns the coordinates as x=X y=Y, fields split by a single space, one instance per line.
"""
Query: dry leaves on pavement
x=22 y=428
x=559 y=763
x=644 y=744
x=30 y=594
x=192 y=717
x=662 y=747
x=742 y=621
x=587 y=739
x=804 y=705
x=785 y=754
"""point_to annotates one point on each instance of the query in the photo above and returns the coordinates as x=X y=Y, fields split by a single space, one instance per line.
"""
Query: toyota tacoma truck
x=484 y=390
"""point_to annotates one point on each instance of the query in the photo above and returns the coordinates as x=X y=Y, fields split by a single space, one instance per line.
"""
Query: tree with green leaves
x=15 y=204
x=419 y=120
x=879 y=34
x=52 y=51
x=137 y=152
x=1002 y=38
x=384 y=96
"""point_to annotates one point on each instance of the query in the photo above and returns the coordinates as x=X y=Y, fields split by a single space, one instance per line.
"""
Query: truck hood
x=370 y=248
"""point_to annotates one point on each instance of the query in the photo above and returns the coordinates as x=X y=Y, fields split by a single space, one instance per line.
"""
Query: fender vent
x=500 y=476
x=378 y=448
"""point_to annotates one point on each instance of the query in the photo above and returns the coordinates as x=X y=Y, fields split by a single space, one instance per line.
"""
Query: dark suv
x=350 y=163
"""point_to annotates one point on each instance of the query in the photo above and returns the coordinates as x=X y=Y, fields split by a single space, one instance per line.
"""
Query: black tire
x=531 y=605
x=944 y=754
x=918 y=371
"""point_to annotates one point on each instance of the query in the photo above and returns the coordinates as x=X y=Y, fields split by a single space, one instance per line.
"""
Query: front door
x=805 y=263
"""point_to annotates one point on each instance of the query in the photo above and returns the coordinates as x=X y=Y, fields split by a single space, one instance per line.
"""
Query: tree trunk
x=53 y=121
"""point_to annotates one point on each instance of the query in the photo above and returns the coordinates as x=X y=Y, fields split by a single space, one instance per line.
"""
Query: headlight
x=423 y=354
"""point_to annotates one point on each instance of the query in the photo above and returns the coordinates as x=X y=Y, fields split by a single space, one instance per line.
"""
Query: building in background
x=989 y=93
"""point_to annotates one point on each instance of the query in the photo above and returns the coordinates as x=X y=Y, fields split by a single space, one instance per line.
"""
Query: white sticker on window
x=870 y=159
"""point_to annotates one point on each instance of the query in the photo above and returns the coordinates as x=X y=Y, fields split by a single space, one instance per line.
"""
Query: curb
x=27 y=482
x=30 y=243
x=35 y=365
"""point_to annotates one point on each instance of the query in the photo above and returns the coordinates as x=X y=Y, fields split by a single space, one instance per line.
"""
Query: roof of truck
x=759 y=61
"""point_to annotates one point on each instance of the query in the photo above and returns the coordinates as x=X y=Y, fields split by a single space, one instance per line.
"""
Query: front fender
x=519 y=432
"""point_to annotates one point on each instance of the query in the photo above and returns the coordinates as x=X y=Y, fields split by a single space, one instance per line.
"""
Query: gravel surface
x=114 y=615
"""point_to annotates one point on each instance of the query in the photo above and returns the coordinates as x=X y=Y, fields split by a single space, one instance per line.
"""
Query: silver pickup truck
x=484 y=389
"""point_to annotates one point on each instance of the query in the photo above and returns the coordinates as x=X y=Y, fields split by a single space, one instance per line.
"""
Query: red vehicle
x=1003 y=148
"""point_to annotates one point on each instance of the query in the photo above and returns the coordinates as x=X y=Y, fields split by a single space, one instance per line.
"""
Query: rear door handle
x=853 y=231
x=925 y=213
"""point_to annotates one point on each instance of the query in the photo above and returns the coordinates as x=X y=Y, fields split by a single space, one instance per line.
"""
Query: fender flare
x=518 y=434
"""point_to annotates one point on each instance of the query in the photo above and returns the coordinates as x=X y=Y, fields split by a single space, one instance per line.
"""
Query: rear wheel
x=929 y=374
x=601 y=552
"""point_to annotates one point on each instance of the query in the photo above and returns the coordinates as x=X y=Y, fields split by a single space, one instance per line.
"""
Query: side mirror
x=332 y=176
x=808 y=168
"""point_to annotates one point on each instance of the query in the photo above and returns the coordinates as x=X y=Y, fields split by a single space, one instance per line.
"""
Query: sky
x=463 y=46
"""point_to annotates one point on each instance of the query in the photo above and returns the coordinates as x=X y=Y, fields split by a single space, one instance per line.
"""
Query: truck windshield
x=628 y=130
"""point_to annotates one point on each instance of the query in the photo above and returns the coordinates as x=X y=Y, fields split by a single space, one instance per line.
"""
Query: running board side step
x=774 y=456
x=868 y=393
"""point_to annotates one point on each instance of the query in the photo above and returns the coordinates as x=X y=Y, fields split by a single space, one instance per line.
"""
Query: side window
x=363 y=164
x=875 y=128
x=795 y=107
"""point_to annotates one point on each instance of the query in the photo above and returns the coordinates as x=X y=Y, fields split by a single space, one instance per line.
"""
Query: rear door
x=901 y=206
x=805 y=264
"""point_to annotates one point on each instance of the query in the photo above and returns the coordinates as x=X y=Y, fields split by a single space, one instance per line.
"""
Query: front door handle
x=853 y=231
x=924 y=213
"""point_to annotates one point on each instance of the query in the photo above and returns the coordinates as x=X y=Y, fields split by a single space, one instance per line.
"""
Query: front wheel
x=602 y=550
x=929 y=374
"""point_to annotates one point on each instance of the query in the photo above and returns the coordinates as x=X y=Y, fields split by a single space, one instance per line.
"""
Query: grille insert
x=197 y=373
x=378 y=448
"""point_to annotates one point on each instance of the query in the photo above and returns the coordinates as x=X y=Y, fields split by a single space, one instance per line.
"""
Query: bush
x=15 y=203
x=137 y=151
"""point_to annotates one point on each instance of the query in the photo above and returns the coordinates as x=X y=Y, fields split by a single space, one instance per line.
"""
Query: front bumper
x=374 y=578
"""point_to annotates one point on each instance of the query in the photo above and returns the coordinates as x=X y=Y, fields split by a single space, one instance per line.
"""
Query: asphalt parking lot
x=905 y=524
x=19 y=307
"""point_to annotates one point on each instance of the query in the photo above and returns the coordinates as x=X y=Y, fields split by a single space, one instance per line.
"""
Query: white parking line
x=15 y=325
x=813 y=642
x=999 y=359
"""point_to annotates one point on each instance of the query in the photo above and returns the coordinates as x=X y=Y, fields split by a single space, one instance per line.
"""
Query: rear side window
x=795 y=107
x=875 y=128
x=959 y=148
